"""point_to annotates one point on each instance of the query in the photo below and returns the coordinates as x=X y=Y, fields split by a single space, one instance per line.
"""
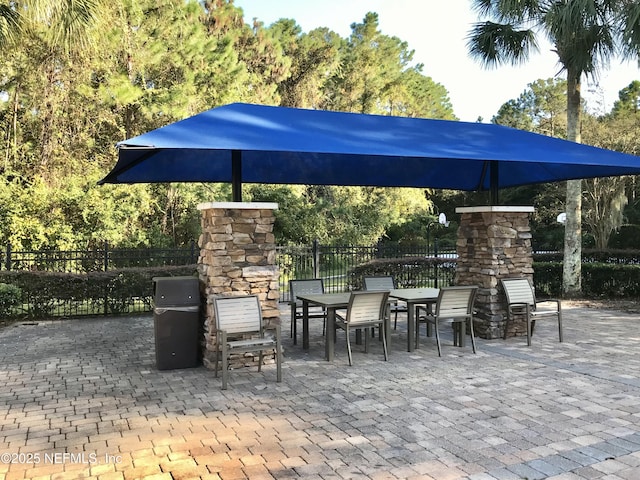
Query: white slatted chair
x=365 y=310
x=521 y=300
x=300 y=287
x=240 y=329
x=385 y=283
x=454 y=306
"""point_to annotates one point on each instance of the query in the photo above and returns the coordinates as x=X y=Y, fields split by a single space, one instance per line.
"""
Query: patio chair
x=300 y=287
x=239 y=329
x=386 y=283
x=454 y=306
x=365 y=310
x=521 y=300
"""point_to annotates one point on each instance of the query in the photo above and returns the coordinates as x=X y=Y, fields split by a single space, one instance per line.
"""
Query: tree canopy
x=77 y=77
x=586 y=35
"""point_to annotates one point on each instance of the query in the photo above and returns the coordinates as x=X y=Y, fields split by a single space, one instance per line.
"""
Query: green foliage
x=10 y=298
x=585 y=35
x=87 y=74
x=542 y=108
x=113 y=292
x=408 y=272
x=625 y=237
x=339 y=215
x=599 y=280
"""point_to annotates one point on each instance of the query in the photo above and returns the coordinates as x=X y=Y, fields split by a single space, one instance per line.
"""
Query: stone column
x=237 y=257
x=494 y=242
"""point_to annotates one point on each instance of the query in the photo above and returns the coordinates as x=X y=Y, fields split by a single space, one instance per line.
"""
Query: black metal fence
x=73 y=283
x=99 y=259
x=333 y=264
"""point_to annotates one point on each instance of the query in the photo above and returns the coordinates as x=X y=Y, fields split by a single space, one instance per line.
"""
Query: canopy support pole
x=493 y=181
x=236 y=175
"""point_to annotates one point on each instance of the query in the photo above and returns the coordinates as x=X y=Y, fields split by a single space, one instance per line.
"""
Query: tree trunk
x=572 y=264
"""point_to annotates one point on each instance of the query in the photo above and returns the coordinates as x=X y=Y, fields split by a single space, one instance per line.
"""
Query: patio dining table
x=331 y=302
x=413 y=297
x=334 y=301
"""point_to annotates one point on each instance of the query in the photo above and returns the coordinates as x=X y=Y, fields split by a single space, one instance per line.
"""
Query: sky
x=436 y=30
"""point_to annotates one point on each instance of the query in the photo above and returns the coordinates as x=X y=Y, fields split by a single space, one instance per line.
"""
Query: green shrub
x=112 y=292
x=10 y=298
x=599 y=280
x=408 y=272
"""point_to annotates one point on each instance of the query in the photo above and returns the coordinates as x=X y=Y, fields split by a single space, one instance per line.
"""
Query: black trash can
x=176 y=321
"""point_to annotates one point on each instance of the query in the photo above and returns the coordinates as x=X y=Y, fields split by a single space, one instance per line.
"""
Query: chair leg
x=528 y=326
x=438 y=337
x=395 y=321
x=348 y=346
x=473 y=337
x=383 y=333
x=217 y=355
x=225 y=360
x=293 y=320
x=278 y=355
x=367 y=335
x=560 y=324
x=260 y=358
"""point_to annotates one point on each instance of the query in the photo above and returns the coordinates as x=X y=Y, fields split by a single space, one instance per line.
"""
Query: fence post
x=8 y=259
x=316 y=258
x=435 y=260
x=194 y=259
x=105 y=257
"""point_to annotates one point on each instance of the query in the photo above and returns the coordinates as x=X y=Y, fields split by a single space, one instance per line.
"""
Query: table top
x=415 y=294
x=342 y=298
x=327 y=299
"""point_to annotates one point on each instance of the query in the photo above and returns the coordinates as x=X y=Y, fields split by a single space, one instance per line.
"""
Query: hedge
x=127 y=290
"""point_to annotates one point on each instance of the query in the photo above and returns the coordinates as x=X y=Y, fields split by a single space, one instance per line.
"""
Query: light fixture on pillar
x=561 y=218
x=442 y=220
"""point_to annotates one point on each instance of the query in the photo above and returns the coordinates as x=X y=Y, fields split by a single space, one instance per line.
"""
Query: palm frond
x=495 y=44
x=631 y=30
x=584 y=34
x=509 y=11
x=10 y=24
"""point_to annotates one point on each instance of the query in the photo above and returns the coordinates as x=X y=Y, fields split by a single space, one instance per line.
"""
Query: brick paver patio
x=83 y=399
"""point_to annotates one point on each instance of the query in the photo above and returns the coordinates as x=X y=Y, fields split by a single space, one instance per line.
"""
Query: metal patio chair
x=365 y=310
x=239 y=329
x=454 y=306
x=386 y=283
x=300 y=287
x=521 y=300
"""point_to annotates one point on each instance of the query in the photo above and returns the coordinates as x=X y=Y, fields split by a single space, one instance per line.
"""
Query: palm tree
x=586 y=35
x=9 y=24
x=55 y=29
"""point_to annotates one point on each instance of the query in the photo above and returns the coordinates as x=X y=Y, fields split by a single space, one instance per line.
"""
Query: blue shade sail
x=244 y=143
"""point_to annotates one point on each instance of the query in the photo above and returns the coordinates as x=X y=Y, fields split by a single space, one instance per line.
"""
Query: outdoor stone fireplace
x=493 y=242
x=237 y=257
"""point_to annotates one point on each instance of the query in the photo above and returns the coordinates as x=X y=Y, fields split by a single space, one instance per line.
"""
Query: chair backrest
x=367 y=306
x=456 y=301
x=307 y=286
x=379 y=283
x=518 y=290
x=238 y=315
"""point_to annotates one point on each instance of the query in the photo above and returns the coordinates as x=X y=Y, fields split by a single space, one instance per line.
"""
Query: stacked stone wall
x=493 y=243
x=237 y=257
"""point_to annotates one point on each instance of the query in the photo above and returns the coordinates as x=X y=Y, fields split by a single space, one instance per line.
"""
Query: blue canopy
x=244 y=143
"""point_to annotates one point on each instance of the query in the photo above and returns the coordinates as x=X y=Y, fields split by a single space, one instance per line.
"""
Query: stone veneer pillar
x=493 y=242
x=237 y=257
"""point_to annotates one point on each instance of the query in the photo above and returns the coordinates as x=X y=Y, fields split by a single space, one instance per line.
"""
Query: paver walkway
x=83 y=399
